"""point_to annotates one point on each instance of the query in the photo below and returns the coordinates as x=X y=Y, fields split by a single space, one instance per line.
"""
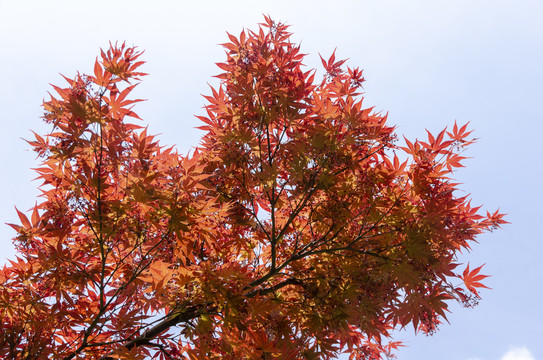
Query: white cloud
x=518 y=353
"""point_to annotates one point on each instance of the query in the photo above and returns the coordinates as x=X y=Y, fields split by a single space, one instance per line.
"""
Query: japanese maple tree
x=294 y=231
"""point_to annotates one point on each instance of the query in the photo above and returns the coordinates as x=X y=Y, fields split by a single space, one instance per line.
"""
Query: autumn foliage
x=298 y=229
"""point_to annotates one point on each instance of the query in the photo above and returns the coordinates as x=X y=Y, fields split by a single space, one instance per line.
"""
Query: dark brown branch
x=177 y=318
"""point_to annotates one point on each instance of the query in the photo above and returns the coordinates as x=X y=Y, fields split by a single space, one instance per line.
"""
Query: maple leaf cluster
x=294 y=231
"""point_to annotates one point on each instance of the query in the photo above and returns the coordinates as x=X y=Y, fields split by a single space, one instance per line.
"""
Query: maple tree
x=294 y=231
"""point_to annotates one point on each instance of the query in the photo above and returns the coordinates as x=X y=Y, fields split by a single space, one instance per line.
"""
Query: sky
x=426 y=62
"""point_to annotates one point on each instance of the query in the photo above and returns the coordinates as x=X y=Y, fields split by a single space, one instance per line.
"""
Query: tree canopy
x=297 y=229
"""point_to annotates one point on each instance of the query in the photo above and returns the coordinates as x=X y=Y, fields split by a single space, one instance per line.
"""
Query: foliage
x=293 y=232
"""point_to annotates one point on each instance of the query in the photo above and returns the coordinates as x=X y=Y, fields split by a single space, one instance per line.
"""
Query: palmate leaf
x=472 y=279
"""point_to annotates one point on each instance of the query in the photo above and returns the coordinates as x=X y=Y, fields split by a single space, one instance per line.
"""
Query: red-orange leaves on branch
x=293 y=232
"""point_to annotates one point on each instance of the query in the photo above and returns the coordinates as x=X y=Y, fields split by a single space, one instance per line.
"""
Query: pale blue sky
x=426 y=62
